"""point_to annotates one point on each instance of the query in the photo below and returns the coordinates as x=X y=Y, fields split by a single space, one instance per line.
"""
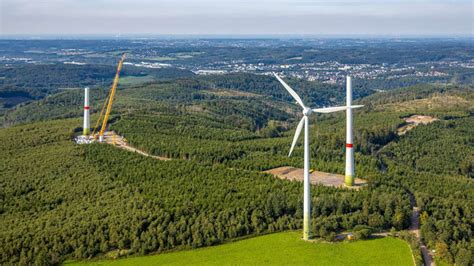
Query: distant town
x=309 y=60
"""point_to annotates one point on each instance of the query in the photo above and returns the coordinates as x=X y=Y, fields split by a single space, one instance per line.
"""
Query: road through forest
x=415 y=229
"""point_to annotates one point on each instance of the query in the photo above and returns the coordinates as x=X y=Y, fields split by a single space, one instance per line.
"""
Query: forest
x=32 y=82
x=221 y=134
x=142 y=205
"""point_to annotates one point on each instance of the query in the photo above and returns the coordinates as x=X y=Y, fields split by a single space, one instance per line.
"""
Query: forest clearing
x=317 y=177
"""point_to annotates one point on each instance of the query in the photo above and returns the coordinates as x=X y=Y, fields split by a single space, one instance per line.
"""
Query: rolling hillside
x=64 y=201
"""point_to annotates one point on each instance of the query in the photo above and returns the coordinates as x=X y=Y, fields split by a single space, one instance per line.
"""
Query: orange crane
x=108 y=103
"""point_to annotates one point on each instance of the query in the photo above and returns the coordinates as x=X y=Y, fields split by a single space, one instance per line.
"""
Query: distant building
x=209 y=72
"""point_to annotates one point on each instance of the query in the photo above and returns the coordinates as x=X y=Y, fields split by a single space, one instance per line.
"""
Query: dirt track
x=415 y=229
x=290 y=173
x=111 y=137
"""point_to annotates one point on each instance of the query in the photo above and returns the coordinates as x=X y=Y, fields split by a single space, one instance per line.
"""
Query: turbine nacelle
x=307 y=111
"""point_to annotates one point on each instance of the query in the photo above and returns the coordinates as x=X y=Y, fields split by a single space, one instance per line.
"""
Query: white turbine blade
x=297 y=134
x=330 y=109
x=290 y=90
x=335 y=109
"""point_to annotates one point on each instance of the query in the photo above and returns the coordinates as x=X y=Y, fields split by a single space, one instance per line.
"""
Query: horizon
x=152 y=36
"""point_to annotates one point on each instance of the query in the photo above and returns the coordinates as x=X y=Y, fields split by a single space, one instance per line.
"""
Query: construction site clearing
x=414 y=121
x=110 y=137
x=316 y=177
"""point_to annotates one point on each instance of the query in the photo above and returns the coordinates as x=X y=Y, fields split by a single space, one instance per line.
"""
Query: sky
x=237 y=17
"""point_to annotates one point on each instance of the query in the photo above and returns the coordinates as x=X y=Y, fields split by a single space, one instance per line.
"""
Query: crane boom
x=110 y=99
x=100 y=116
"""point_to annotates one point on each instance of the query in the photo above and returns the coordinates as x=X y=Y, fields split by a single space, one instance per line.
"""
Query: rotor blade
x=330 y=109
x=335 y=109
x=297 y=134
x=290 y=90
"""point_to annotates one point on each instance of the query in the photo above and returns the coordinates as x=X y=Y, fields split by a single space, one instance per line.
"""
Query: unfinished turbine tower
x=305 y=121
x=86 y=127
x=350 y=173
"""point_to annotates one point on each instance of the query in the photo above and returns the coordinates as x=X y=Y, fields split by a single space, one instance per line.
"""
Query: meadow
x=281 y=249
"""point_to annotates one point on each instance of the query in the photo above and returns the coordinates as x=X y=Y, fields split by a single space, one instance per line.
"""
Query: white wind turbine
x=305 y=120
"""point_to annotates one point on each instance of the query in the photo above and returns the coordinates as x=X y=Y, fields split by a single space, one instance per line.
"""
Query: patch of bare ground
x=316 y=177
x=195 y=108
x=414 y=121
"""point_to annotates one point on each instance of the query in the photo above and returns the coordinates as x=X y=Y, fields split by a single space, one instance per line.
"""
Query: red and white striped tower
x=86 y=126
x=349 y=179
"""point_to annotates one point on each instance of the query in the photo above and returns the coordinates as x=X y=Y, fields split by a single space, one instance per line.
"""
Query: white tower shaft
x=349 y=179
x=307 y=191
x=86 y=127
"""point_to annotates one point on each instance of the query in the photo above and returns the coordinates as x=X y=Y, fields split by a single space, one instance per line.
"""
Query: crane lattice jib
x=111 y=96
x=101 y=115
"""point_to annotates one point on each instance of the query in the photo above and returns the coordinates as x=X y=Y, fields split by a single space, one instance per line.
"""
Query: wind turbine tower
x=86 y=127
x=350 y=174
x=305 y=121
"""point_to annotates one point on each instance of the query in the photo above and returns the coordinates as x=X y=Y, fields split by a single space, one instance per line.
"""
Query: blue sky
x=268 y=17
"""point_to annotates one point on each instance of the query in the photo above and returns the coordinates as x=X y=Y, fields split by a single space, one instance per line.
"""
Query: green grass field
x=281 y=249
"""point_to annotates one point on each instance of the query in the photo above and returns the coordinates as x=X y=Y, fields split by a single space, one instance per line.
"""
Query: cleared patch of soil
x=196 y=108
x=414 y=121
x=316 y=177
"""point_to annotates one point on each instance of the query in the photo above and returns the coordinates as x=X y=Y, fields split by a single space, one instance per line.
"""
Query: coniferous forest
x=61 y=201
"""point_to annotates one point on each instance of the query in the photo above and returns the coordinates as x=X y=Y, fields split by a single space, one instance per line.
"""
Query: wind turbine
x=305 y=121
x=350 y=173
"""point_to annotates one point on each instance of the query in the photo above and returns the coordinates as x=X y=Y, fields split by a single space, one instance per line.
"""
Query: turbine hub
x=307 y=111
